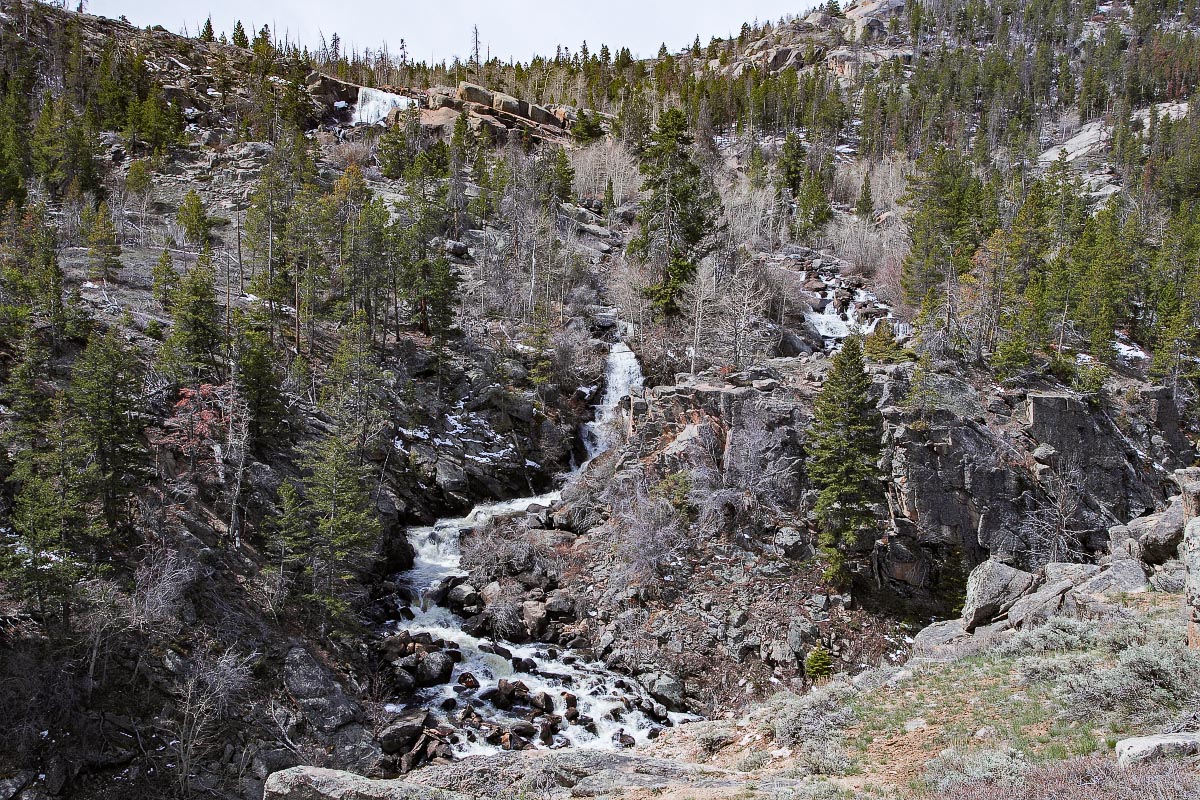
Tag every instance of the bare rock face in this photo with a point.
(993, 588)
(1189, 485)
(314, 783)
(471, 93)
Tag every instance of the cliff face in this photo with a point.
(709, 495)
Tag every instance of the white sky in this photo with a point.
(441, 29)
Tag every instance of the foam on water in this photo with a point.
(612, 701)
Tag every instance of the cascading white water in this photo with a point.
(623, 377)
(611, 701)
(373, 105)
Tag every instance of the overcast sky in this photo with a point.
(441, 29)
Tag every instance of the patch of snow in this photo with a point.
(373, 106)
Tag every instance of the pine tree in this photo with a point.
(818, 664)
(813, 211)
(193, 219)
(562, 177)
(679, 219)
(104, 396)
(865, 207)
(261, 384)
(345, 526)
(239, 36)
(206, 33)
(845, 442)
(790, 167)
(191, 353)
(49, 517)
(165, 280)
(881, 346)
(104, 253)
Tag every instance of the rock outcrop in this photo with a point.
(314, 783)
(1189, 483)
(1142, 749)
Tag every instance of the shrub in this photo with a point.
(953, 769)
(825, 757)
(1149, 683)
(821, 714)
(752, 761)
(1059, 634)
(1083, 779)
(713, 740)
(1036, 669)
(1089, 378)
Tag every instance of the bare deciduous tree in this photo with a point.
(1054, 528)
(203, 691)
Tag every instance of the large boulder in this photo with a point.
(471, 93)
(433, 669)
(400, 735)
(1037, 607)
(1158, 535)
(316, 692)
(991, 590)
(1142, 749)
(314, 783)
(1123, 575)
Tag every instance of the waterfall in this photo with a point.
(623, 377)
(373, 105)
(613, 705)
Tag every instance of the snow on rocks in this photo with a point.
(374, 106)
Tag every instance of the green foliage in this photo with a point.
(845, 442)
(678, 221)
(206, 32)
(818, 664)
(864, 207)
(194, 220)
(239, 36)
(587, 128)
(343, 524)
(1090, 377)
(260, 383)
(562, 177)
(813, 211)
(104, 253)
(880, 345)
(165, 280)
(105, 397)
(192, 352)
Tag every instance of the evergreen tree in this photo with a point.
(261, 384)
(790, 167)
(49, 517)
(679, 219)
(344, 524)
(191, 353)
(165, 280)
(818, 664)
(104, 395)
(239, 36)
(194, 220)
(104, 253)
(813, 211)
(865, 207)
(206, 33)
(845, 442)
(881, 346)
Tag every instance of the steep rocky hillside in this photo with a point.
(809, 413)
